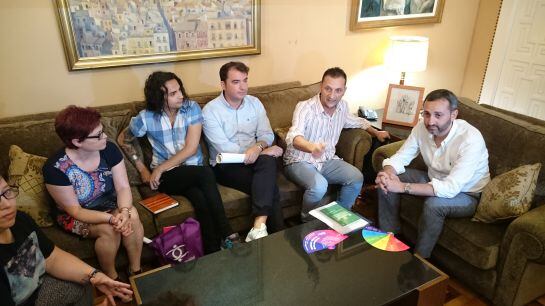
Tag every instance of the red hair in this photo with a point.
(76, 122)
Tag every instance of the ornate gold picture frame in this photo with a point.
(112, 33)
(368, 14)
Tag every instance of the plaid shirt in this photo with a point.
(167, 140)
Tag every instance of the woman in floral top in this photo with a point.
(88, 181)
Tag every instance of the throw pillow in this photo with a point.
(508, 195)
(114, 123)
(25, 171)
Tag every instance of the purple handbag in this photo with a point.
(180, 244)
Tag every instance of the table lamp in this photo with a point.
(407, 54)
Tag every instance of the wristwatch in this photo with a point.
(407, 188)
(134, 157)
(260, 146)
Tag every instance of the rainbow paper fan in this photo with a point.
(322, 239)
(383, 240)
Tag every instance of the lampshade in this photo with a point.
(407, 53)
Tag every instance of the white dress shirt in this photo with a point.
(460, 164)
(229, 130)
(312, 122)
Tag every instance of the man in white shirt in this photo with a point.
(236, 122)
(457, 159)
(310, 154)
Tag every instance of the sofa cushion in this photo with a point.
(114, 122)
(33, 136)
(83, 249)
(25, 171)
(508, 195)
(511, 140)
(476, 243)
(281, 133)
(236, 204)
(280, 104)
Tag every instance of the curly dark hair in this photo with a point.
(155, 90)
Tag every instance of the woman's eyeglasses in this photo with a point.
(10, 193)
(99, 136)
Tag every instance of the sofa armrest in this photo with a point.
(523, 246)
(528, 233)
(353, 145)
(384, 152)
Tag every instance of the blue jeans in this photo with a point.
(315, 182)
(433, 216)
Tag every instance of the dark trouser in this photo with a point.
(259, 181)
(198, 184)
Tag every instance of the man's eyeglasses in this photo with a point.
(10, 193)
(99, 136)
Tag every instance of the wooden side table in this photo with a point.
(397, 132)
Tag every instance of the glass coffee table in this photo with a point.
(276, 270)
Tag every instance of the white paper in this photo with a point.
(230, 158)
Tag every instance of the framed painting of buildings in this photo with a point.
(403, 105)
(109, 33)
(367, 14)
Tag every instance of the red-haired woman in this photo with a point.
(88, 181)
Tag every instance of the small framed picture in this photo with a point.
(403, 105)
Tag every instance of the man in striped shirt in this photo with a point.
(310, 154)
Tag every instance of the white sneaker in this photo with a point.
(256, 233)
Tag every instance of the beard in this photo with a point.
(439, 129)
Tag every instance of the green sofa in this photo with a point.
(504, 262)
(35, 134)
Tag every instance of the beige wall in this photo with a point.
(299, 40)
(480, 48)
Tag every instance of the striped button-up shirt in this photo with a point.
(167, 140)
(312, 122)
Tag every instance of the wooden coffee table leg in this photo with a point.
(433, 292)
